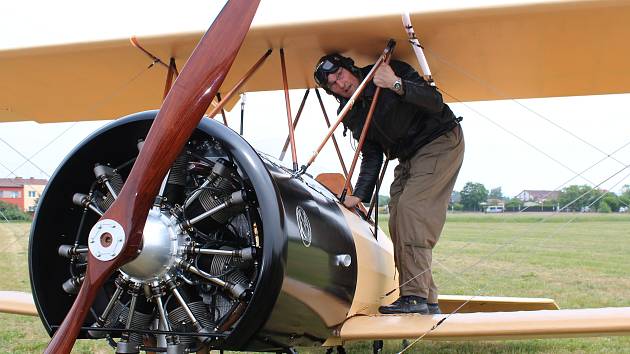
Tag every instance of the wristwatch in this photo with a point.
(398, 87)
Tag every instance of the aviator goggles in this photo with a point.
(323, 69)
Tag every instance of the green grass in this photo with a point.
(24, 334)
(580, 263)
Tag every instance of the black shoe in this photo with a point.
(434, 309)
(406, 304)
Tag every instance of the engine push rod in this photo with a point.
(172, 286)
(349, 104)
(235, 198)
(245, 254)
(237, 291)
(121, 284)
(366, 126)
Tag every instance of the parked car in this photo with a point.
(494, 209)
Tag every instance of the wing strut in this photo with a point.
(417, 48)
(321, 104)
(172, 71)
(390, 48)
(222, 101)
(288, 104)
(222, 110)
(295, 122)
(374, 202)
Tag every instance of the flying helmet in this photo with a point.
(329, 64)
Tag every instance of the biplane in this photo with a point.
(166, 231)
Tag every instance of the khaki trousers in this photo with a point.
(420, 195)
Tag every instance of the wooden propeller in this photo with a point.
(180, 113)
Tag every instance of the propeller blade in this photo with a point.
(180, 113)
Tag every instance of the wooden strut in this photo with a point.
(348, 106)
(374, 202)
(321, 104)
(239, 84)
(178, 117)
(135, 43)
(288, 104)
(366, 126)
(295, 122)
(222, 110)
(172, 69)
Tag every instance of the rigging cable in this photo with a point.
(499, 93)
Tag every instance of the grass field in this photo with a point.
(580, 260)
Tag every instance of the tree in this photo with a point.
(624, 198)
(495, 193)
(575, 198)
(12, 212)
(472, 194)
(610, 200)
(604, 208)
(383, 200)
(514, 204)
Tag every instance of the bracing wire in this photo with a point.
(499, 93)
(575, 174)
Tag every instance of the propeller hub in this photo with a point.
(106, 240)
(161, 243)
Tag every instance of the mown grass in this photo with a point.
(23, 334)
(580, 260)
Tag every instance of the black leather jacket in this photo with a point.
(400, 125)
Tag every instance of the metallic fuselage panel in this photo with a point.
(321, 267)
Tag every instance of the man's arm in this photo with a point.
(414, 89)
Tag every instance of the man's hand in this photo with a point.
(351, 201)
(385, 77)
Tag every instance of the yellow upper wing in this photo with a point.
(530, 50)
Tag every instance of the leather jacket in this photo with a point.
(400, 125)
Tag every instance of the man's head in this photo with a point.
(336, 74)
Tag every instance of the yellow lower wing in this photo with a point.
(491, 325)
(17, 302)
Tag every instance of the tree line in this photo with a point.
(571, 199)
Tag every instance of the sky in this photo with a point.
(512, 144)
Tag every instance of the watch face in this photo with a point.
(397, 85)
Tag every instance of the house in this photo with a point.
(537, 195)
(22, 192)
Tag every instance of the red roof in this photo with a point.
(19, 182)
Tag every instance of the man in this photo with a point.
(413, 124)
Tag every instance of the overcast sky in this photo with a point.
(509, 144)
